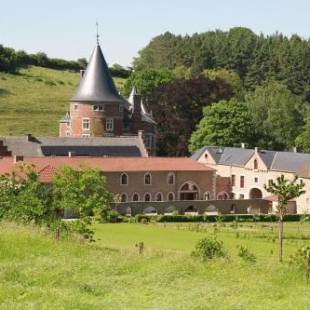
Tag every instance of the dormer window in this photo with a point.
(98, 108)
(255, 164)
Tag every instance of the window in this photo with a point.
(171, 178)
(256, 179)
(147, 179)
(85, 124)
(124, 179)
(123, 197)
(255, 164)
(68, 133)
(170, 196)
(233, 180)
(85, 135)
(242, 181)
(159, 197)
(135, 197)
(76, 106)
(207, 196)
(98, 108)
(120, 108)
(241, 196)
(232, 208)
(109, 124)
(147, 197)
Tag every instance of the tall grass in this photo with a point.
(38, 272)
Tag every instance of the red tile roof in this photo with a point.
(46, 166)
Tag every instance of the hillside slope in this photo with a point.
(34, 100)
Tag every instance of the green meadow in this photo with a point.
(35, 99)
(38, 272)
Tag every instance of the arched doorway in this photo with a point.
(150, 210)
(255, 193)
(189, 191)
(191, 210)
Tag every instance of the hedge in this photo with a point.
(220, 218)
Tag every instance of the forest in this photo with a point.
(225, 88)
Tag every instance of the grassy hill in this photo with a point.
(34, 100)
(38, 272)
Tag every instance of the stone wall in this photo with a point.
(231, 206)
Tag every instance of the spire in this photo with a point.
(97, 84)
(97, 33)
(146, 117)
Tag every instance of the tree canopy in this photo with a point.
(178, 107)
(226, 123)
(255, 58)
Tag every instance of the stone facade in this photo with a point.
(251, 206)
(159, 185)
(248, 180)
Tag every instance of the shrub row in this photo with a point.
(220, 218)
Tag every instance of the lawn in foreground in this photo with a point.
(39, 273)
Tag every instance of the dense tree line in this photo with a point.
(256, 58)
(268, 78)
(11, 61)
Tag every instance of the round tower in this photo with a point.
(96, 109)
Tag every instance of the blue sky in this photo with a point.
(66, 28)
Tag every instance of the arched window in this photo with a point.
(124, 179)
(171, 178)
(159, 197)
(255, 164)
(147, 197)
(135, 197)
(207, 196)
(123, 197)
(222, 196)
(147, 179)
(233, 208)
(170, 196)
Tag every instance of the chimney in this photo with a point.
(17, 158)
(256, 149)
(82, 73)
(243, 145)
(295, 149)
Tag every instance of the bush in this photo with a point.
(246, 255)
(113, 217)
(208, 249)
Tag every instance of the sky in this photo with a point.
(67, 28)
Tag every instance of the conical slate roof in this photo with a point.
(97, 84)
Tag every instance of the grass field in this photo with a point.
(37, 272)
(34, 100)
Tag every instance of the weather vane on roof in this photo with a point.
(97, 35)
